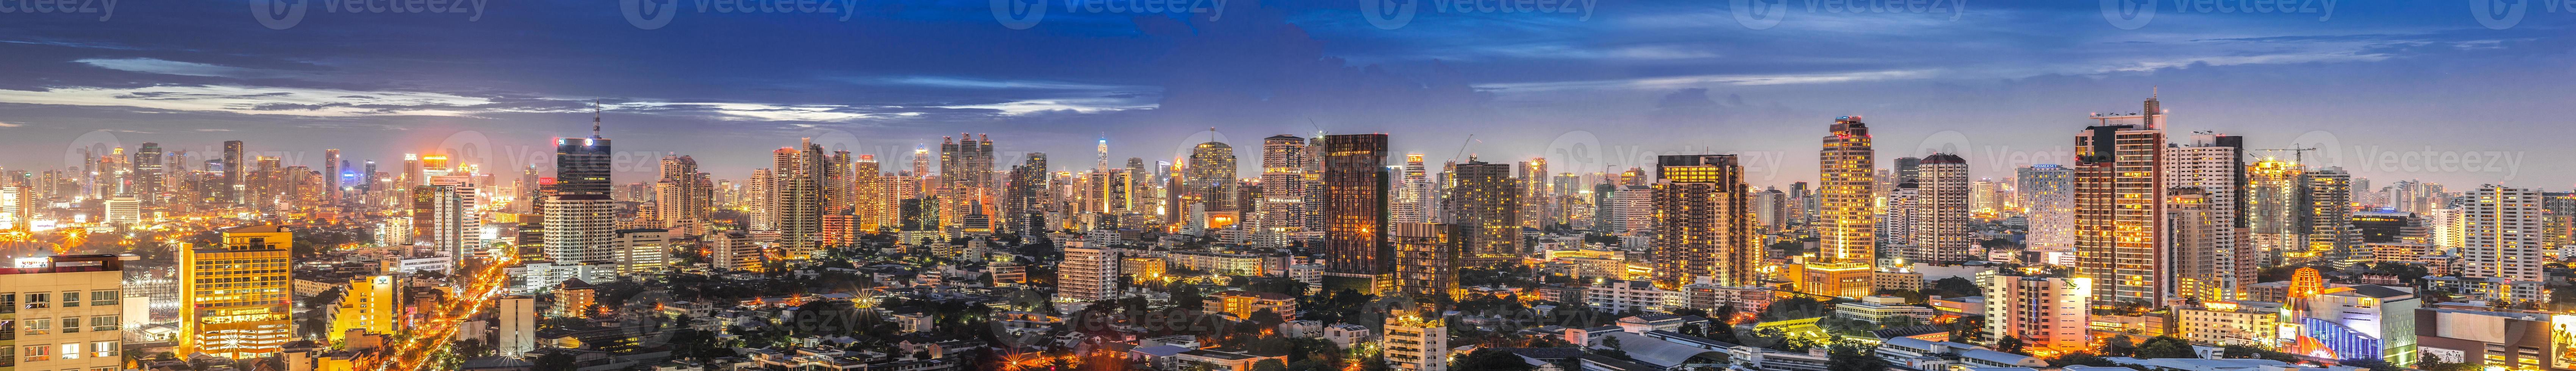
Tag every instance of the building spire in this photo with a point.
(594, 119)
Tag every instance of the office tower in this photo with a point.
(515, 320)
(2199, 237)
(18, 202)
(2043, 312)
(758, 190)
(367, 303)
(580, 219)
(1210, 177)
(965, 175)
(1903, 210)
(1534, 191)
(796, 194)
(1485, 204)
(1142, 195)
(1700, 227)
(2119, 208)
(1355, 183)
(1415, 199)
(734, 250)
(1023, 204)
(637, 251)
(2327, 211)
(369, 180)
(916, 181)
(1909, 170)
(235, 299)
(69, 314)
(683, 195)
(1427, 257)
(2503, 238)
(1087, 274)
(1941, 235)
(1846, 245)
(149, 174)
(1283, 187)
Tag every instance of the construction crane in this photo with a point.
(2297, 155)
(1462, 148)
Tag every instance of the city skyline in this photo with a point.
(1627, 76)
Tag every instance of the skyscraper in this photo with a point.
(330, 174)
(235, 300)
(2200, 238)
(1486, 205)
(2327, 209)
(965, 175)
(149, 175)
(1846, 244)
(1283, 187)
(2503, 234)
(1700, 208)
(797, 175)
(1941, 235)
(1427, 260)
(1909, 169)
(1355, 209)
(2119, 208)
(1534, 191)
(683, 196)
(2274, 209)
(234, 165)
(1210, 177)
(580, 219)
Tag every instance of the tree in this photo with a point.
(2079, 358)
(1610, 347)
(2165, 347)
(1492, 360)
(1854, 355)
(2119, 346)
(1270, 364)
(2010, 344)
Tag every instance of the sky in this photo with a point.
(2452, 91)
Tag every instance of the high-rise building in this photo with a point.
(1355, 210)
(235, 301)
(734, 251)
(367, 303)
(1486, 203)
(2119, 208)
(1087, 274)
(637, 251)
(1941, 233)
(2044, 312)
(1413, 198)
(1024, 203)
(2275, 210)
(795, 199)
(234, 165)
(580, 219)
(683, 196)
(965, 176)
(1909, 169)
(454, 230)
(872, 194)
(1416, 341)
(2327, 211)
(2200, 240)
(1981, 196)
(1534, 194)
(1210, 180)
(1700, 227)
(150, 174)
(515, 325)
(69, 313)
(1283, 187)
(1846, 245)
(123, 211)
(330, 174)
(2503, 238)
(1427, 257)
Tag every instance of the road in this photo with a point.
(430, 337)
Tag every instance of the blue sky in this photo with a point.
(2376, 84)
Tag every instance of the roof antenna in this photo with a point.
(594, 119)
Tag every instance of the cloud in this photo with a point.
(10, 125)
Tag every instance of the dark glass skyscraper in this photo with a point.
(1355, 205)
